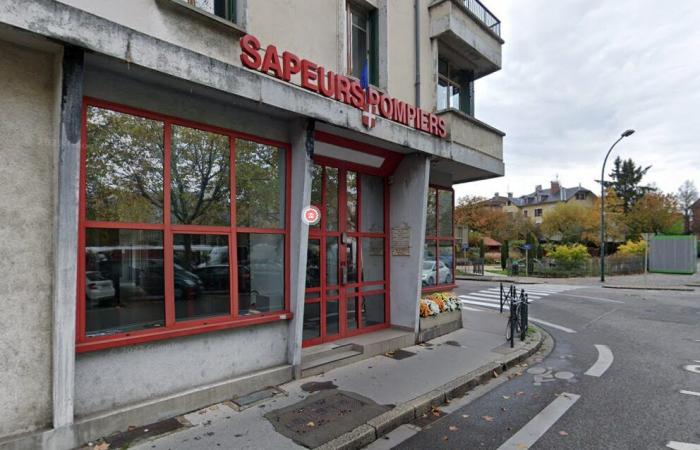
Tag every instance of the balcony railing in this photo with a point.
(483, 14)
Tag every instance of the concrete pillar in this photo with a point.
(66, 237)
(408, 197)
(302, 140)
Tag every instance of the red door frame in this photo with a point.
(321, 235)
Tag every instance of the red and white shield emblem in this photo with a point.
(369, 116)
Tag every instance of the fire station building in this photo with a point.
(158, 160)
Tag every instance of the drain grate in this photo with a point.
(324, 416)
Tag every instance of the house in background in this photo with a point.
(695, 218)
(535, 205)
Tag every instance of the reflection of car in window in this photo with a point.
(98, 288)
(150, 277)
(429, 275)
(214, 278)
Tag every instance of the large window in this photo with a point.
(455, 89)
(438, 253)
(184, 228)
(362, 42)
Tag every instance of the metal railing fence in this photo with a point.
(483, 13)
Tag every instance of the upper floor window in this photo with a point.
(455, 88)
(226, 9)
(580, 196)
(362, 42)
(538, 212)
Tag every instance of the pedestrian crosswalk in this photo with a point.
(490, 298)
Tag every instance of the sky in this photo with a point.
(576, 74)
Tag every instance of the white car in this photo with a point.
(429, 276)
(97, 287)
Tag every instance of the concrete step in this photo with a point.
(330, 359)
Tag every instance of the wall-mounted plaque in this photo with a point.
(401, 241)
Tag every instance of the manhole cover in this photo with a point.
(399, 354)
(324, 416)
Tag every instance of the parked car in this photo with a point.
(98, 288)
(429, 273)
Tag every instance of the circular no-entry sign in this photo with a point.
(311, 215)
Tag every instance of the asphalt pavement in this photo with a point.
(622, 371)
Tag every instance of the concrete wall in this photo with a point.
(472, 133)
(408, 197)
(28, 126)
(127, 375)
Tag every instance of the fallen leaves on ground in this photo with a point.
(519, 393)
(495, 375)
(465, 416)
(487, 418)
(563, 433)
(101, 446)
(310, 424)
(453, 428)
(506, 397)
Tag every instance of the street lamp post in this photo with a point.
(627, 133)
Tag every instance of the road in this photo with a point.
(622, 372)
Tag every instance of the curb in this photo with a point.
(650, 288)
(495, 278)
(406, 412)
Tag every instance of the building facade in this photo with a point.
(535, 205)
(158, 164)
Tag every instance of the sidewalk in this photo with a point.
(376, 395)
(650, 281)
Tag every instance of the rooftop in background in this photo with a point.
(554, 194)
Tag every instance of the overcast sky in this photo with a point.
(576, 73)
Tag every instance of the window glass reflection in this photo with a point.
(124, 167)
(313, 264)
(351, 194)
(260, 190)
(445, 211)
(331, 199)
(317, 190)
(124, 283)
(312, 321)
(199, 177)
(429, 271)
(351, 313)
(372, 310)
(331, 261)
(201, 276)
(260, 273)
(372, 259)
(445, 265)
(332, 318)
(430, 226)
(372, 203)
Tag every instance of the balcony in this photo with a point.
(467, 33)
(469, 132)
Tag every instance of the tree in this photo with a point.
(687, 195)
(627, 178)
(570, 223)
(472, 212)
(653, 213)
(505, 250)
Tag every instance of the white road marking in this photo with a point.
(538, 425)
(605, 360)
(693, 367)
(598, 299)
(553, 325)
(488, 305)
(682, 446)
(690, 393)
(466, 308)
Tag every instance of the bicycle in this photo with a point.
(517, 324)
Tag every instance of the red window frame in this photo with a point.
(437, 238)
(173, 328)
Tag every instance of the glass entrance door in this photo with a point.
(346, 271)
